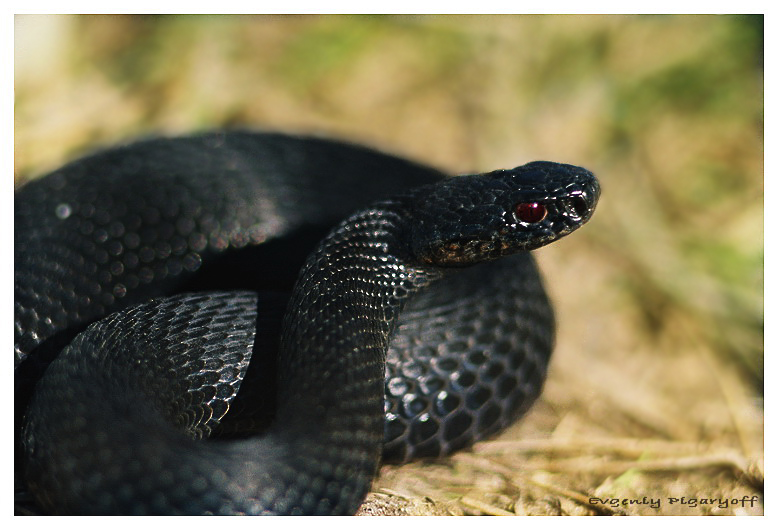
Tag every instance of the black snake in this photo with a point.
(116, 422)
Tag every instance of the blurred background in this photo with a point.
(657, 381)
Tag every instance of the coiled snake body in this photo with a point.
(115, 423)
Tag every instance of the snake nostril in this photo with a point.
(577, 207)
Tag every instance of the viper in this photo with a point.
(244, 323)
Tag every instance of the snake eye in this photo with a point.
(530, 212)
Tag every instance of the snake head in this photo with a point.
(473, 218)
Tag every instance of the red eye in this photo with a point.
(530, 212)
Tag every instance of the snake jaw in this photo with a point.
(466, 252)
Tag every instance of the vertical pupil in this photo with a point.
(530, 212)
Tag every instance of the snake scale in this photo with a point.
(203, 324)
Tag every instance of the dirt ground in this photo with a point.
(653, 404)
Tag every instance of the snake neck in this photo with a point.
(333, 349)
(344, 307)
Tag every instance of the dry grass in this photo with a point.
(655, 388)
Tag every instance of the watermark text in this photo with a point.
(746, 501)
